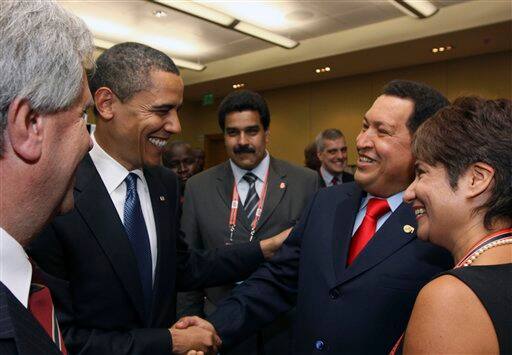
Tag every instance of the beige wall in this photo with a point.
(300, 112)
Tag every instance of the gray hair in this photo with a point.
(43, 52)
(330, 134)
(125, 68)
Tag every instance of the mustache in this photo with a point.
(240, 149)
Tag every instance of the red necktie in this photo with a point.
(375, 209)
(334, 181)
(41, 306)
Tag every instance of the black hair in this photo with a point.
(244, 100)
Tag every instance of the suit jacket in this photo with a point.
(205, 222)
(97, 290)
(360, 309)
(345, 177)
(20, 332)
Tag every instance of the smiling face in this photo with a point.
(142, 125)
(334, 155)
(245, 138)
(385, 162)
(438, 207)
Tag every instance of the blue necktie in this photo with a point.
(135, 227)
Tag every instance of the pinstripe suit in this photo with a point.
(20, 333)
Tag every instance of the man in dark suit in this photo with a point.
(331, 149)
(282, 189)
(43, 137)
(352, 265)
(119, 256)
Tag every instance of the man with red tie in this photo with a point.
(352, 265)
(43, 136)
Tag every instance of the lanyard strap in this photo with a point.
(234, 209)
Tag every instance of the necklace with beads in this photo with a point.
(501, 237)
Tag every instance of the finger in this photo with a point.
(185, 322)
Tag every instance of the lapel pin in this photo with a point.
(282, 185)
(162, 198)
(408, 229)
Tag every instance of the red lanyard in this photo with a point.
(501, 234)
(234, 210)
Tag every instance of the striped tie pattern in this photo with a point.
(137, 232)
(252, 199)
(41, 306)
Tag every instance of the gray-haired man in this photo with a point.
(43, 98)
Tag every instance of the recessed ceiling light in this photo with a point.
(159, 13)
(441, 49)
(322, 70)
(238, 85)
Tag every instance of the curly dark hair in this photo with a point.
(244, 100)
(472, 130)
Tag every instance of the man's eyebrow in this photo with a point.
(164, 107)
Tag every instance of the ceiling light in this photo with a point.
(198, 10)
(323, 70)
(265, 35)
(416, 8)
(238, 86)
(102, 44)
(159, 13)
(441, 49)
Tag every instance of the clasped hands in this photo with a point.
(194, 336)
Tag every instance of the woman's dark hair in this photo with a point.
(472, 130)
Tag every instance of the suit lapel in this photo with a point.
(29, 335)
(276, 188)
(388, 239)
(93, 203)
(346, 212)
(164, 211)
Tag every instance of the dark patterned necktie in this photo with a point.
(252, 199)
(41, 306)
(135, 227)
(335, 181)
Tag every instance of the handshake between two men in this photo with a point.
(194, 336)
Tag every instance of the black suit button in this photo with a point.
(319, 345)
(334, 293)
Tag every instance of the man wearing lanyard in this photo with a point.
(352, 265)
(332, 152)
(250, 197)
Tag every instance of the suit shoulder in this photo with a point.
(206, 176)
(295, 169)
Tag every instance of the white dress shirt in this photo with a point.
(15, 268)
(243, 186)
(113, 174)
(393, 201)
(327, 176)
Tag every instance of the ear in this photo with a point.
(480, 176)
(103, 100)
(25, 129)
(267, 135)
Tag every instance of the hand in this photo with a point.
(194, 333)
(271, 245)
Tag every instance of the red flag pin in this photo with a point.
(282, 185)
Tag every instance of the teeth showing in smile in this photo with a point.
(160, 143)
(365, 159)
(419, 211)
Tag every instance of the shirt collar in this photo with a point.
(112, 173)
(15, 267)
(260, 170)
(394, 201)
(327, 176)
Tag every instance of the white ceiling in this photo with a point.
(225, 52)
